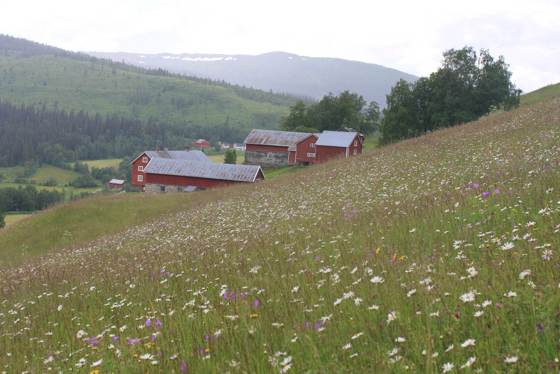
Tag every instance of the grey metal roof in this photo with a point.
(116, 181)
(197, 169)
(277, 138)
(336, 138)
(179, 155)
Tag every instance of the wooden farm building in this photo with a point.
(115, 184)
(338, 144)
(177, 171)
(269, 148)
(201, 144)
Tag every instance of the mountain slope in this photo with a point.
(435, 253)
(35, 74)
(277, 71)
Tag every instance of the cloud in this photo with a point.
(407, 35)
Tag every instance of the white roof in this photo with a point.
(336, 138)
(116, 181)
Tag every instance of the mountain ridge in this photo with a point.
(277, 71)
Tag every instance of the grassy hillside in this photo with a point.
(34, 74)
(542, 94)
(435, 254)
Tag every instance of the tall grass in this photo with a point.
(435, 254)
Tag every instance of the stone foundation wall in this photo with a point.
(266, 159)
(157, 188)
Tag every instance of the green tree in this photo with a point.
(230, 157)
(2, 219)
(466, 86)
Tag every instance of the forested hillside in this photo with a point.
(34, 74)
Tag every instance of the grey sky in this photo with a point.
(407, 35)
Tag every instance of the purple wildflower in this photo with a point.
(158, 324)
(497, 191)
(92, 341)
(485, 194)
(153, 338)
(133, 341)
(540, 327)
(184, 367)
(256, 303)
(148, 322)
(318, 325)
(114, 338)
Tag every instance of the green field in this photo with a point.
(439, 253)
(541, 94)
(107, 163)
(10, 219)
(62, 176)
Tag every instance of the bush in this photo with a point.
(2, 220)
(51, 182)
(84, 181)
(230, 157)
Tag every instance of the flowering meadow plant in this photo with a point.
(437, 254)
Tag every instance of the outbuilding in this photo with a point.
(115, 184)
(138, 177)
(177, 175)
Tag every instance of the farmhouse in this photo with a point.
(177, 175)
(269, 148)
(138, 177)
(338, 144)
(201, 144)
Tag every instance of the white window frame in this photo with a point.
(312, 145)
(355, 143)
(140, 178)
(140, 168)
(145, 159)
(311, 155)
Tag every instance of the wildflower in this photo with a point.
(400, 339)
(468, 343)
(48, 360)
(470, 361)
(133, 341)
(183, 367)
(447, 367)
(81, 362)
(346, 346)
(148, 322)
(158, 324)
(391, 316)
(356, 336)
(524, 274)
(256, 303)
(540, 327)
(510, 359)
(377, 279)
(510, 294)
(507, 246)
(97, 363)
(411, 292)
(467, 297)
(472, 272)
(547, 255)
(80, 334)
(59, 308)
(485, 194)
(478, 313)
(146, 356)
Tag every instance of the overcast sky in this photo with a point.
(406, 35)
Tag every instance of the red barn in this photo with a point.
(201, 144)
(138, 177)
(338, 144)
(270, 148)
(172, 175)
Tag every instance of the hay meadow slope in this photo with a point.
(436, 254)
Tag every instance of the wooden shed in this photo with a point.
(338, 144)
(270, 148)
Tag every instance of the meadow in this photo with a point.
(436, 254)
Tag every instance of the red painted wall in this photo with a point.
(304, 147)
(356, 146)
(174, 180)
(140, 161)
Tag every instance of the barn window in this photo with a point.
(140, 168)
(312, 145)
(162, 188)
(144, 159)
(310, 155)
(355, 152)
(140, 178)
(355, 143)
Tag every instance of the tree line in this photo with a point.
(36, 134)
(347, 111)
